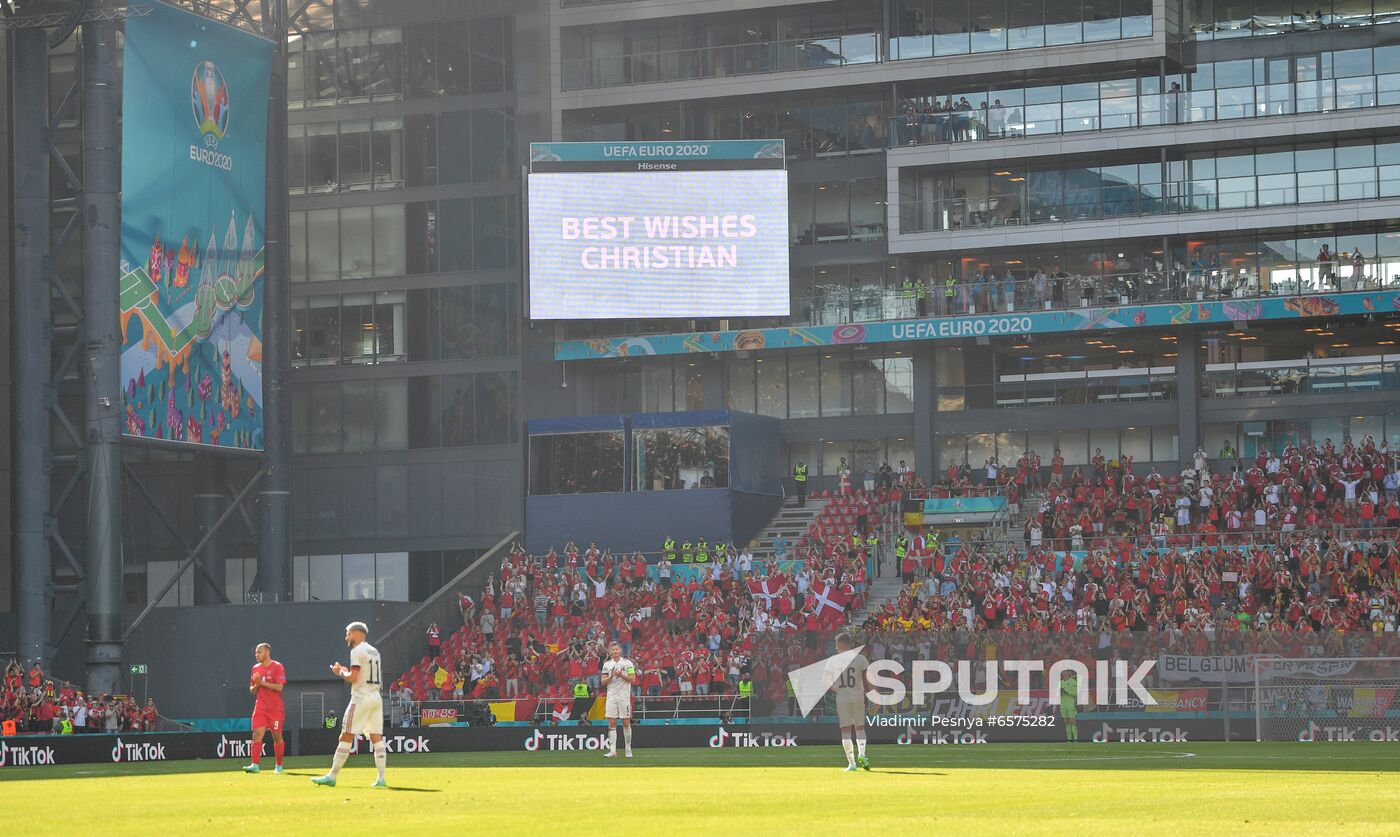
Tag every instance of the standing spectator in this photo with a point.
(996, 119)
(1326, 264)
(869, 476)
(434, 639)
(1358, 268)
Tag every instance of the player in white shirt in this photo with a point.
(619, 673)
(849, 682)
(365, 714)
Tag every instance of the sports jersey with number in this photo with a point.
(269, 699)
(366, 657)
(617, 687)
(850, 681)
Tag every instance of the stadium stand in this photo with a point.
(1303, 539)
(35, 703)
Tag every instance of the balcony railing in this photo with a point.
(1108, 200)
(924, 126)
(838, 304)
(719, 61)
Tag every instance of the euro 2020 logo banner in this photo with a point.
(194, 133)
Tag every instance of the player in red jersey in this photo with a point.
(266, 683)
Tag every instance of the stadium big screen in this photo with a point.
(658, 229)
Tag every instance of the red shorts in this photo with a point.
(268, 719)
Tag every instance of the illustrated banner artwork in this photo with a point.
(194, 135)
(1098, 320)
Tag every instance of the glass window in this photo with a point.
(354, 74)
(491, 146)
(457, 323)
(495, 320)
(1164, 444)
(358, 572)
(741, 385)
(951, 24)
(320, 66)
(323, 330)
(296, 159)
(321, 146)
(357, 419)
(692, 395)
(868, 386)
(576, 463)
(772, 386)
(386, 62)
(323, 417)
(357, 328)
(355, 165)
(425, 414)
(323, 578)
(356, 242)
(323, 244)
(495, 409)
(297, 230)
(386, 153)
(390, 235)
(391, 576)
(899, 384)
(1074, 447)
(1063, 22)
(490, 49)
(458, 418)
(803, 385)
(391, 414)
(682, 458)
(656, 388)
(835, 386)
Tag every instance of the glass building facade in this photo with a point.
(948, 159)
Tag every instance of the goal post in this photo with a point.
(1326, 698)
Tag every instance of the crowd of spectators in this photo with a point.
(543, 623)
(1306, 539)
(34, 703)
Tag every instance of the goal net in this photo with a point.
(1327, 699)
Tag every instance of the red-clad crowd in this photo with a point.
(32, 702)
(1305, 539)
(543, 623)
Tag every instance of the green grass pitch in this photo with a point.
(1085, 789)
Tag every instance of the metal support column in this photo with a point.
(925, 412)
(30, 335)
(102, 437)
(209, 505)
(1188, 394)
(275, 544)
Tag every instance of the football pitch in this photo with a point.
(1084, 789)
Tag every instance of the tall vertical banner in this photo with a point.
(194, 141)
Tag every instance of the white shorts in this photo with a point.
(618, 707)
(850, 709)
(364, 716)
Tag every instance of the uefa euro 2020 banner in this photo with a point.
(194, 136)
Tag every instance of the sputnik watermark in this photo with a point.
(1115, 683)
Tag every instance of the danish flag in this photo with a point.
(829, 596)
(767, 588)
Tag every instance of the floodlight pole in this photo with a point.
(102, 373)
(275, 543)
